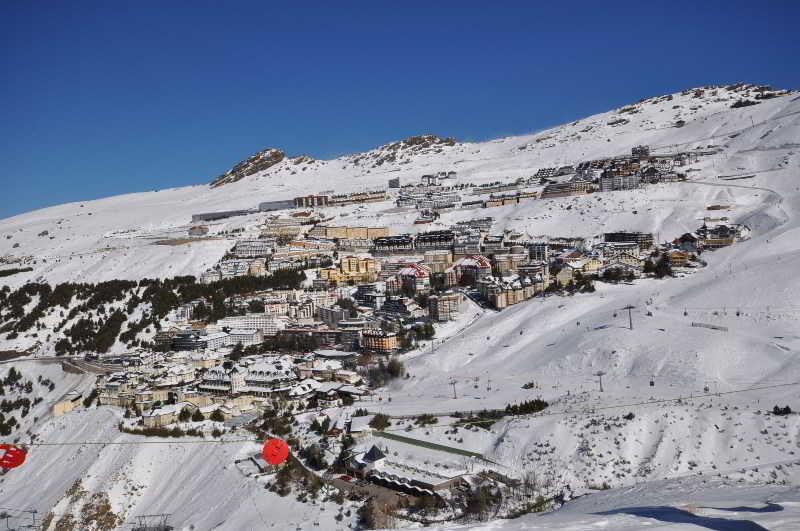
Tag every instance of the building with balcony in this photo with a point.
(445, 307)
(379, 341)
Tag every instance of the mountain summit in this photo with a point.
(264, 159)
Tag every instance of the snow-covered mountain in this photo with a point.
(658, 457)
(114, 237)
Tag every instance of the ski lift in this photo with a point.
(652, 382)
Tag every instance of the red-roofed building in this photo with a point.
(471, 269)
(415, 278)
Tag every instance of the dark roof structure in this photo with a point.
(374, 454)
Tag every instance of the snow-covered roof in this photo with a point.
(475, 260)
(304, 387)
(243, 331)
(415, 270)
(168, 409)
(326, 365)
(328, 353)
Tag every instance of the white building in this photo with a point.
(320, 298)
(245, 336)
(216, 380)
(331, 315)
(610, 182)
(254, 248)
(234, 268)
(610, 250)
(276, 307)
(269, 375)
(176, 375)
(259, 377)
(210, 276)
(215, 340)
(264, 322)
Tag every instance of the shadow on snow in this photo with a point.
(679, 516)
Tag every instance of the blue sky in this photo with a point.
(111, 97)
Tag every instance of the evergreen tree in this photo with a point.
(237, 352)
(380, 422)
(184, 415)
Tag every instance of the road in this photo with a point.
(775, 200)
(76, 364)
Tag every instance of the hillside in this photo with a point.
(100, 240)
(716, 448)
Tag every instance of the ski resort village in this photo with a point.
(523, 333)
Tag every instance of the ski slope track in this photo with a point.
(693, 449)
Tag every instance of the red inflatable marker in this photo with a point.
(11, 456)
(275, 451)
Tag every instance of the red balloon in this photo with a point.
(11, 456)
(275, 451)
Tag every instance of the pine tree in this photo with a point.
(184, 415)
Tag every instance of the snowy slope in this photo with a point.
(675, 505)
(558, 343)
(198, 484)
(114, 237)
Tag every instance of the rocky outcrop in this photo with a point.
(264, 159)
(402, 151)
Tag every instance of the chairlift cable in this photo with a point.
(135, 443)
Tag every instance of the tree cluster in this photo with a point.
(100, 333)
(159, 431)
(90, 398)
(660, 269)
(275, 424)
(616, 274)
(481, 502)
(382, 373)
(14, 271)
(314, 457)
(526, 408)
(380, 422)
(372, 515)
(348, 304)
(781, 411)
(321, 428)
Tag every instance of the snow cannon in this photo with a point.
(275, 451)
(11, 456)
